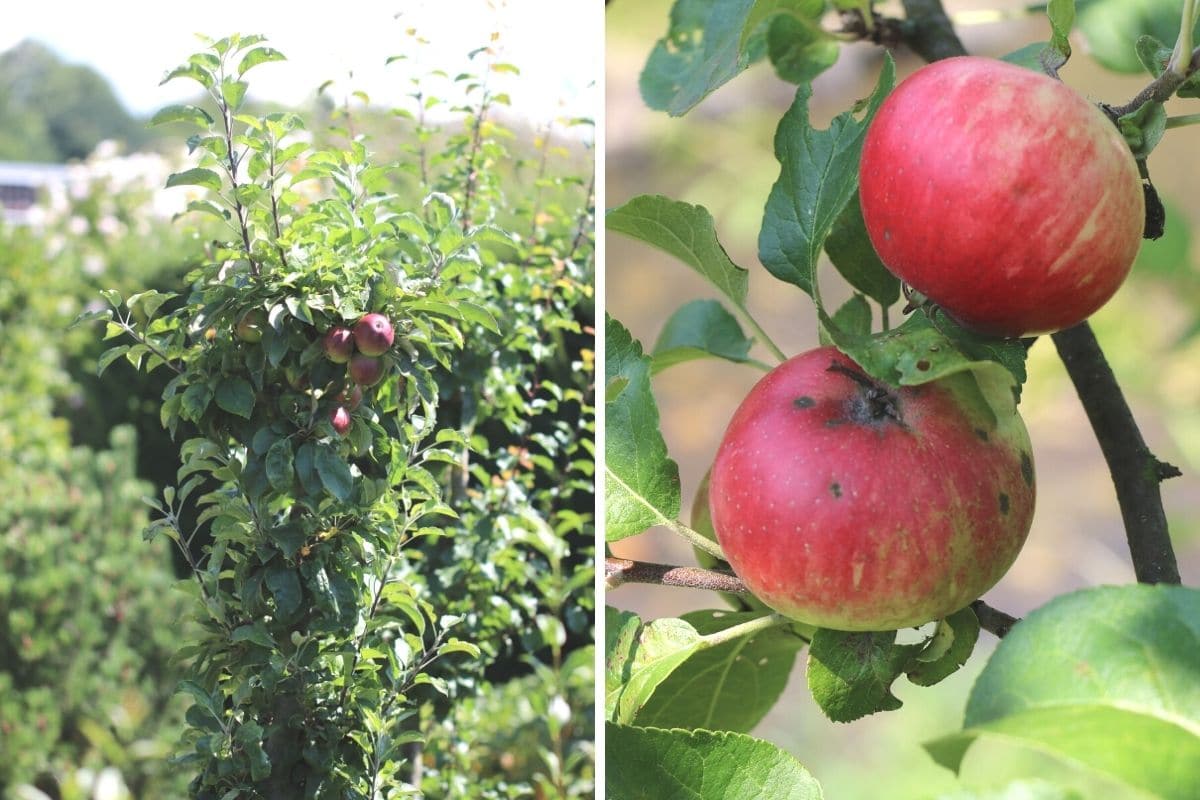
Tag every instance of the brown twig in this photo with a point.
(1136, 473)
(618, 571)
(1159, 90)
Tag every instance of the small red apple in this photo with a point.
(1001, 195)
(350, 398)
(847, 504)
(250, 326)
(366, 370)
(339, 417)
(338, 344)
(373, 334)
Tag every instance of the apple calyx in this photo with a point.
(876, 404)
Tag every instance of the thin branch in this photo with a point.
(1159, 90)
(618, 571)
(1136, 473)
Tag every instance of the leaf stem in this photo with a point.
(1183, 120)
(762, 335)
(748, 628)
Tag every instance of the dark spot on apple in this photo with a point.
(1003, 503)
(804, 401)
(836, 489)
(922, 365)
(982, 434)
(1027, 469)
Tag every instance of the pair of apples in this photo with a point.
(1016, 207)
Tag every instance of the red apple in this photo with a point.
(338, 344)
(250, 326)
(1001, 195)
(366, 370)
(350, 398)
(373, 334)
(846, 504)
(339, 417)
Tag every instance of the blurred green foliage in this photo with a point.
(88, 620)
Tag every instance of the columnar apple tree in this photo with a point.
(304, 398)
(885, 480)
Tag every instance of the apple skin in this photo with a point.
(339, 417)
(373, 334)
(350, 398)
(366, 370)
(844, 504)
(1001, 195)
(338, 344)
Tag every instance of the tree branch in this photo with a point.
(929, 32)
(1136, 473)
(618, 571)
(1159, 90)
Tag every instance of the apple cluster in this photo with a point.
(362, 348)
(1014, 206)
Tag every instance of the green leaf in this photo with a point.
(1062, 16)
(284, 583)
(953, 642)
(1113, 27)
(686, 232)
(197, 176)
(699, 329)
(259, 55)
(1144, 128)
(194, 401)
(728, 687)
(641, 486)
(334, 472)
(798, 47)
(1106, 678)
(850, 250)
(109, 356)
(256, 633)
(1017, 790)
(236, 396)
(638, 657)
(279, 465)
(182, 113)
(818, 177)
(657, 764)
(195, 72)
(234, 92)
(705, 46)
(1030, 57)
(1153, 54)
(854, 316)
(850, 675)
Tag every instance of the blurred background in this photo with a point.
(720, 155)
(90, 614)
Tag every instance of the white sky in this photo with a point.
(557, 44)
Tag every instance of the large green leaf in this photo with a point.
(686, 232)
(818, 177)
(700, 329)
(656, 764)
(1108, 678)
(638, 657)
(1112, 28)
(852, 253)
(798, 47)
(236, 396)
(641, 486)
(728, 687)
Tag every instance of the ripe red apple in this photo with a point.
(339, 417)
(373, 334)
(847, 504)
(250, 326)
(338, 344)
(366, 370)
(350, 398)
(1001, 195)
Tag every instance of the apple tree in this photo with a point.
(309, 357)
(868, 491)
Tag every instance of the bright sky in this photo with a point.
(556, 44)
